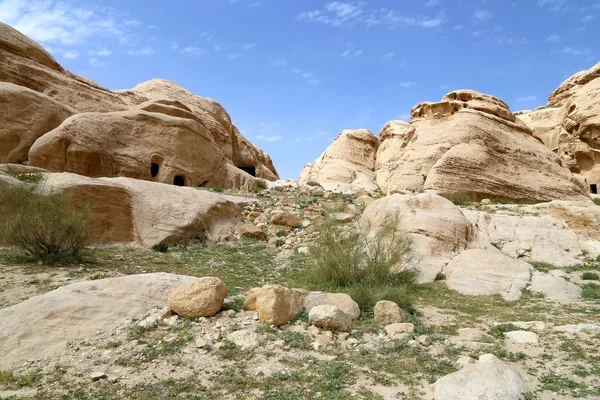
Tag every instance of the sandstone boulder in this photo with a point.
(26, 116)
(251, 231)
(471, 143)
(43, 325)
(276, 305)
(387, 312)
(285, 219)
(130, 210)
(202, 297)
(250, 300)
(554, 288)
(349, 160)
(330, 317)
(488, 379)
(438, 227)
(484, 272)
(341, 300)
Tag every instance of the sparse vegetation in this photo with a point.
(161, 247)
(596, 201)
(47, 227)
(313, 183)
(460, 199)
(590, 276)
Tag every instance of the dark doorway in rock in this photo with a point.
(250, 170)
(593, 188)
(178, 180)
(154, 167)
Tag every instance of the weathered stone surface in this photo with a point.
(245, 339)
(438, 227)
(387, 312)
(349, 160)
(285, 219)
(26, 116)
(8, 180)
(276, 305)
(202, 297)
(483, 272)
(43, 325)
(575, 329)
(554, 288)
(488, 379)
(341, 300)
(471, 143)
(398, 328)
(524, 337)
(250, 301)
(330, 317)
(130, 210)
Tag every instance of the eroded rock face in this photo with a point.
(570, 124)
(43, 325)
(349, 161)
(161, 141)
(26, 64)
(471, 142)
(438, 227)
(26, 116)
(483, 272)
(130, 210)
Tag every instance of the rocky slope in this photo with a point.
(467, 143)
(34, 85)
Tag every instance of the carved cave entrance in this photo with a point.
(179, 180)
(249, 170)
(593, 188)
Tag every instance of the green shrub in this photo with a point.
(281, 233)
(46, 227)
(279, 242)
(460, 199)
(498, 331)
(161, 247)
(596, 201)
(313, 183)
(590, 276)
(218, 189)
(369, 264)
(591, 291)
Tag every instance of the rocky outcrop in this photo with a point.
(43, 325)
(202, 297)
(570, 124)
(471, 143)
(130, 210)
(348, 162)
(26, 64)
(26, 116)
(438, 228)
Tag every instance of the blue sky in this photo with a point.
(294, 73)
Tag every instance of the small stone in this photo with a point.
(387, 312)
(245, 338)
(424, 340)
(96, 376)
(486, 202)
(522, 337)
(201, 343)
(400, 328)
(330, 317)
(279, 343)
(343, 336)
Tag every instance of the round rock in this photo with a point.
(202, 297)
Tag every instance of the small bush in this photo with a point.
(440, 277)
(46, 227)
(281, 233)
(591, 291)
(596, 201)
(29, 178)
(313, 183)
(498, 331)
(161, 247)
(218, 189)
(279, 242)
(460, 199)
(368, 264)
(590, 276)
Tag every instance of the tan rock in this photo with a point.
(471, 143)
(252, 231)
(43, 325)
(26, 115)
(250, 301)
(276, 305)
(439, 228)
(285, 219)
(484, 272)
(348, 161)
(387, 313)
(330, 317)
(341, 300)
(555, 288)
(202, 297)
(394, 329)
(364, 200)
(130, 210)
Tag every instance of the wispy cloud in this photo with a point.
(269, 139)
(103, 52)
(407, 84)
(482, 16)
(60, 22)
(338, 13)
(233, 55)
(351, 53)
(146, 51)
(432, 3)
(193, 51)
(526, 99)
(71, 55)
(389, 55)
(575, 51)
(279, 62)
(552, 39)
(94, 62)
(249, 46)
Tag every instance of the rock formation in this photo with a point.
(187, 129)
(348, 161)
(468, 142)
(570, 124)
(131, 210)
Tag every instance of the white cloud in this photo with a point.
(347, 13)
(174, 45)
(459, 27)
(233, 55)
(575, 51)
(132, 22)
(103, 52)
(146, 51)
(249, 46)
(587, 18)
(193, 51)
(279, 62)
(351, 53)
(554, 5)
(526, 99)
(389, 55)
(432, 3)
(407, 84)
(552, 39)
(53, 21)
(71, 55)
(94, 62)
(482, 15)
